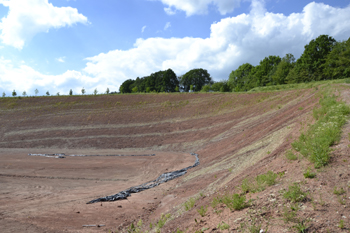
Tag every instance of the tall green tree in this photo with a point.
(310, 65)
(126, 86)
(241, 79)
(337, 64)
(196, 77)
(264, 71)
(283, 69)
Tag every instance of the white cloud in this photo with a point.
(167, 26)
(232, 42)
(143, 29)
(26, 18)
(21, 77)
(192, 7)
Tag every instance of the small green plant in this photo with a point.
(215, 202)
(235, 201)
(14, 93)
(290, 155)
(322, 202)
(189, 204)
(341, 224)
(341, 200)
(223, 226)
(47, 93)
(83, 91)
(301, 227)
(289, 214)
(309, 174)
(338, 192)
(70, 92)
(3, 94)
(294, 193)
(95, 91)
(163, 220)
(202, 211)
(260, 183)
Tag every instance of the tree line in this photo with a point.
(167, 81)
(323, 58)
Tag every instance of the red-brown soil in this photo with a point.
(235, 135)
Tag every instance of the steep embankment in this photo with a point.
(235, 135)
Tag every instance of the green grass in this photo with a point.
(295, 86)
(338, 192)
(259, 183)
(189, 204)
(234, 202)
(163, 219)
(309, 174)
(295, 194)
(315, 143)
(223, 226)
(290, 155)
(202, 211)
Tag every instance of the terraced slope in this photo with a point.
(232, 133)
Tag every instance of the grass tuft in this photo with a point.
(295, 194)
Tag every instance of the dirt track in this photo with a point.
(230, 132)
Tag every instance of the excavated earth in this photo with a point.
(235, 135)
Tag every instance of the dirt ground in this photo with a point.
(235, 135)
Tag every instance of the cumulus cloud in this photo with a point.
(26, 18)
(232, 42)
(192, 7)
(21, 77)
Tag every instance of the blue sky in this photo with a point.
(57, 45)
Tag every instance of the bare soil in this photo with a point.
(235, 135)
